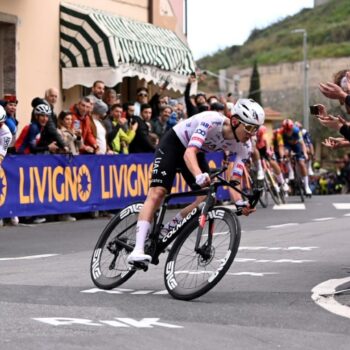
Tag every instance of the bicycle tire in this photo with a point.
(105, 273)
(177, 278)
(283, 196)
(300, 187)
(264, 198)
(271, 187)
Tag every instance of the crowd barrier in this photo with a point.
(57, 184)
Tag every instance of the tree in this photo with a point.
(254, 90)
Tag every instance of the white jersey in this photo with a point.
(204, 131)
(5, 139)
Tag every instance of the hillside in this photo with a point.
(328, 28)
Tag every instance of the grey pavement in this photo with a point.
(48, 301)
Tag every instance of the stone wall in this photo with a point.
(283, 83)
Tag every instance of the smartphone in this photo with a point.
(76, 124)
(314, 110)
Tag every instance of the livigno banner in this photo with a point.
(54, 184)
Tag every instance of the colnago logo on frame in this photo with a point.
(178, 226)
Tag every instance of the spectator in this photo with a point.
(120, 138)
(10, 104)
(141, 98)
(5, 140)
(158, 101)
(38, 140)
(110, 98)
(98, 114)
(72, 137)
(71, 134)
(160, 125)
(180, 111)
(51, 125)
(97, 91)
(196, 105)
(128, 111)
(142, 142)
(80, 111)
(51, 96)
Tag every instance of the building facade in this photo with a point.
(36, 37)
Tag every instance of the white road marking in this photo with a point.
(118, 322)
(342, 206)
(323, 219)
(323, 295)
(123, 291)
(29, 257)
(253, 274)
(348, 214)
(97, 290)
(283, 225)
(290, 206)
(278, 248)
(292, 261)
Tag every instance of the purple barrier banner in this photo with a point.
(57, 184)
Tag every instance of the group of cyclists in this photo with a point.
(240, 133)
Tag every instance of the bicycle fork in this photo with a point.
(205, 249)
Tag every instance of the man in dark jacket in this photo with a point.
(50, 127)
(142, 142)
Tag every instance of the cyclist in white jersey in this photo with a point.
(183, 147)
(5, 135)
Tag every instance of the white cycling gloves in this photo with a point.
(201, 179)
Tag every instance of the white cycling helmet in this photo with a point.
(2, 114)
(42, 109)
(249, 112)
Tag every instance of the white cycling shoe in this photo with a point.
(260, 174)
(308, 191)
(285, 187)
(138, 256)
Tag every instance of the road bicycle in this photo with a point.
(250, 182)
(202, 246)
(297, 184)
(276, 191)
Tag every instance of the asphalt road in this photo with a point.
(269, 299)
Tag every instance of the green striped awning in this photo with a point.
(116, 47)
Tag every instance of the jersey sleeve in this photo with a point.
(200, 134)
(5, 141)
(279, 139)
(241, 158)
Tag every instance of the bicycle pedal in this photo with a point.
(140, 265)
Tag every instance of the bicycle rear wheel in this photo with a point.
(109, 267)
(189, 274)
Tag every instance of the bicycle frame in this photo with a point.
(158, 246)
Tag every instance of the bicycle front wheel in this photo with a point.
(109, 267)
(189, 274)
